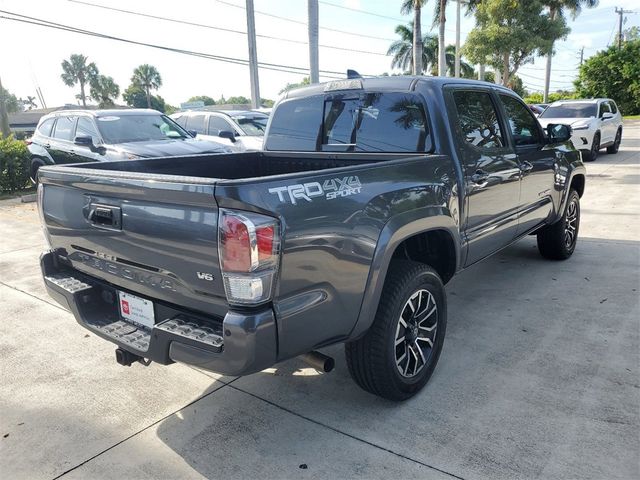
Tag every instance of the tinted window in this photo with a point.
(85, 127)
(46, 126)
(217, 124)
(196, 123)
(613, 107)
(570, 110)
(138, 128)
(64, 128)
(254, 124)
(604, 108)
(477, 119)
(296, 124)
(524, 127)
(373, 122)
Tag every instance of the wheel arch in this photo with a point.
(418, 238)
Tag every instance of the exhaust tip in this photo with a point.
(319, 361)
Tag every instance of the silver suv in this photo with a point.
(596, 124)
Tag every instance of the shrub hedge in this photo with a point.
(14, 164)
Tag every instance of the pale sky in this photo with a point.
(32, 54)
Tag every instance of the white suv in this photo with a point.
(241, 130)
(596, 124)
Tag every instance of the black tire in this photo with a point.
(616, 143)
(372, 360)
(595, 148)
(558, 241)
(35, 166)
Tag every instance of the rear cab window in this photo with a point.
(391, 122)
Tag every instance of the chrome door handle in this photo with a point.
(526, 167)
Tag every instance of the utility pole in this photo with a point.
(314, 63)
(457, 68)
(620, 12)
(253, 56)
(581, 55)
(4, 117)
(481, 72)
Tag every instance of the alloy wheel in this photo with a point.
(416, 333)
(571, 224)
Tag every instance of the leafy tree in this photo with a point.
(614, 74)
(238, 100)
(76, 70)
(291, 86)
(11, 102)
(415, 7)
(147, 78)
(537, 97)
(105, 91)
(266, 103)
(509, 33)
(631, 34)
(203, 98)
(136, 97)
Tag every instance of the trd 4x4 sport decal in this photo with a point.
(329, 189)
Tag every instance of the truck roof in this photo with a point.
(397, 82)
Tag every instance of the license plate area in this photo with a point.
(136, 310)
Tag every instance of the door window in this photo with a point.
(196, 123)
(46, 126)
(85, 127)
(523, 126)
(218, 124)
(478, 119)
(604, 108)
(612, 106)
(64, 128)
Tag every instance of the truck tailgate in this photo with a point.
(154, 237)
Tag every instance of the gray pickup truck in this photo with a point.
(370, 195)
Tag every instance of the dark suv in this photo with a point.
(74, 136)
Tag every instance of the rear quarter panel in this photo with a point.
(329, 242)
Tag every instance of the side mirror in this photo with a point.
(193, 133)
(228, 134)
(558, 133)
(84, 140)
(607, 115)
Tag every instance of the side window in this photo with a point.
(64, 128)
(85, 127)
(196, 123)
(217, 124)
(604, 108)
(524, 127)
(180, 120)
(46, 126)
(477, 119)
(613, 107)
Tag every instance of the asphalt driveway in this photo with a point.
(539, 377)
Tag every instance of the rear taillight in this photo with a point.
(249, 245)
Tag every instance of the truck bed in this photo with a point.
(236, 166)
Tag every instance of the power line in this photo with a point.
(213, 27)
(365, 12)
(300, 22)
(238, 61)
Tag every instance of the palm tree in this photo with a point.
(466, 70)
(402, 50)
(440, 19)
(415, 6)
(76, 70)
(30, 102)
(105, 91)
(147, 77)
(558, 8)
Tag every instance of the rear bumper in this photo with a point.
(238, 344)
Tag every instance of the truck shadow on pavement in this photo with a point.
(538, 379)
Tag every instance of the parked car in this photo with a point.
(596, 124)
(370, 195)
(73, 136)
(239, 129)
(536, 109)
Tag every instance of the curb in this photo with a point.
(28, 198)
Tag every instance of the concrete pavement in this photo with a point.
(539, 377)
